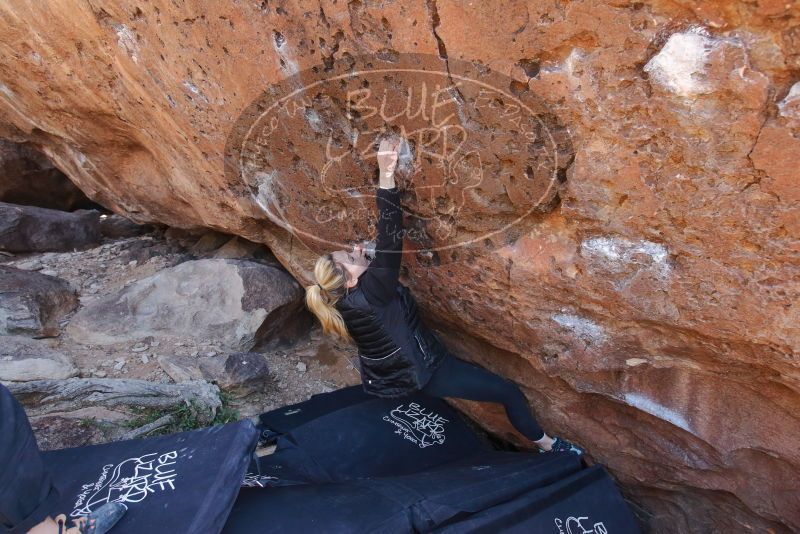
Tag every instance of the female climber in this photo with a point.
(361, 300)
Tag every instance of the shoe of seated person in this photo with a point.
(98, 522)
(562, 445)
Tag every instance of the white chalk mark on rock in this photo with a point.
(282, 49)
(681, 63)
(615, 253)
(588, 331)
(126, 40)
(313, 120)
(193, 88)
(6, 91)
(264, 197)
(657, 410)
(790, 106)
(572, 66)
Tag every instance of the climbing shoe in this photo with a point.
(98, 522)
(562, 445)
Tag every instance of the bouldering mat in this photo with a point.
(315, 508)
(185, 482)
(378, 437)
(362, 465)
(416, 502)
(586, 502)
(284, 419)
(467, 486)
(349, 464)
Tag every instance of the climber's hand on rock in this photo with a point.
(388, 154)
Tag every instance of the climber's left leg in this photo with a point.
(463, 380)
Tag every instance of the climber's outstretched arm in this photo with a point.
(380, 280)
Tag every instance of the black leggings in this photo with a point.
(463, 380)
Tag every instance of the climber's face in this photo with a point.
(354, 262)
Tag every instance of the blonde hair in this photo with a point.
(322, 296)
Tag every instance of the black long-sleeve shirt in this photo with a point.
(379, 281)
(398, 354)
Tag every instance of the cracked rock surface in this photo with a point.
(650, 313)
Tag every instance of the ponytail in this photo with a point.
(322, 296)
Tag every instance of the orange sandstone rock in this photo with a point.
(647, 303)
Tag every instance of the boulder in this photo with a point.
(183, 237)
(142, 250)
(29, 178)
(244, 372)
(648, 306)
(33, 303)
(23, 359)
(116, 226)
(209, 242)
(181, 368)
(235, 303)
(32, 229)
(241, 372)
(240, 248)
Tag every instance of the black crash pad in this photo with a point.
(416, 502)
(375, 437)
(346, 463)
(185, 482)
(287, 418)
(586, 502)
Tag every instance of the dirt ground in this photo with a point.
(310, 364)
